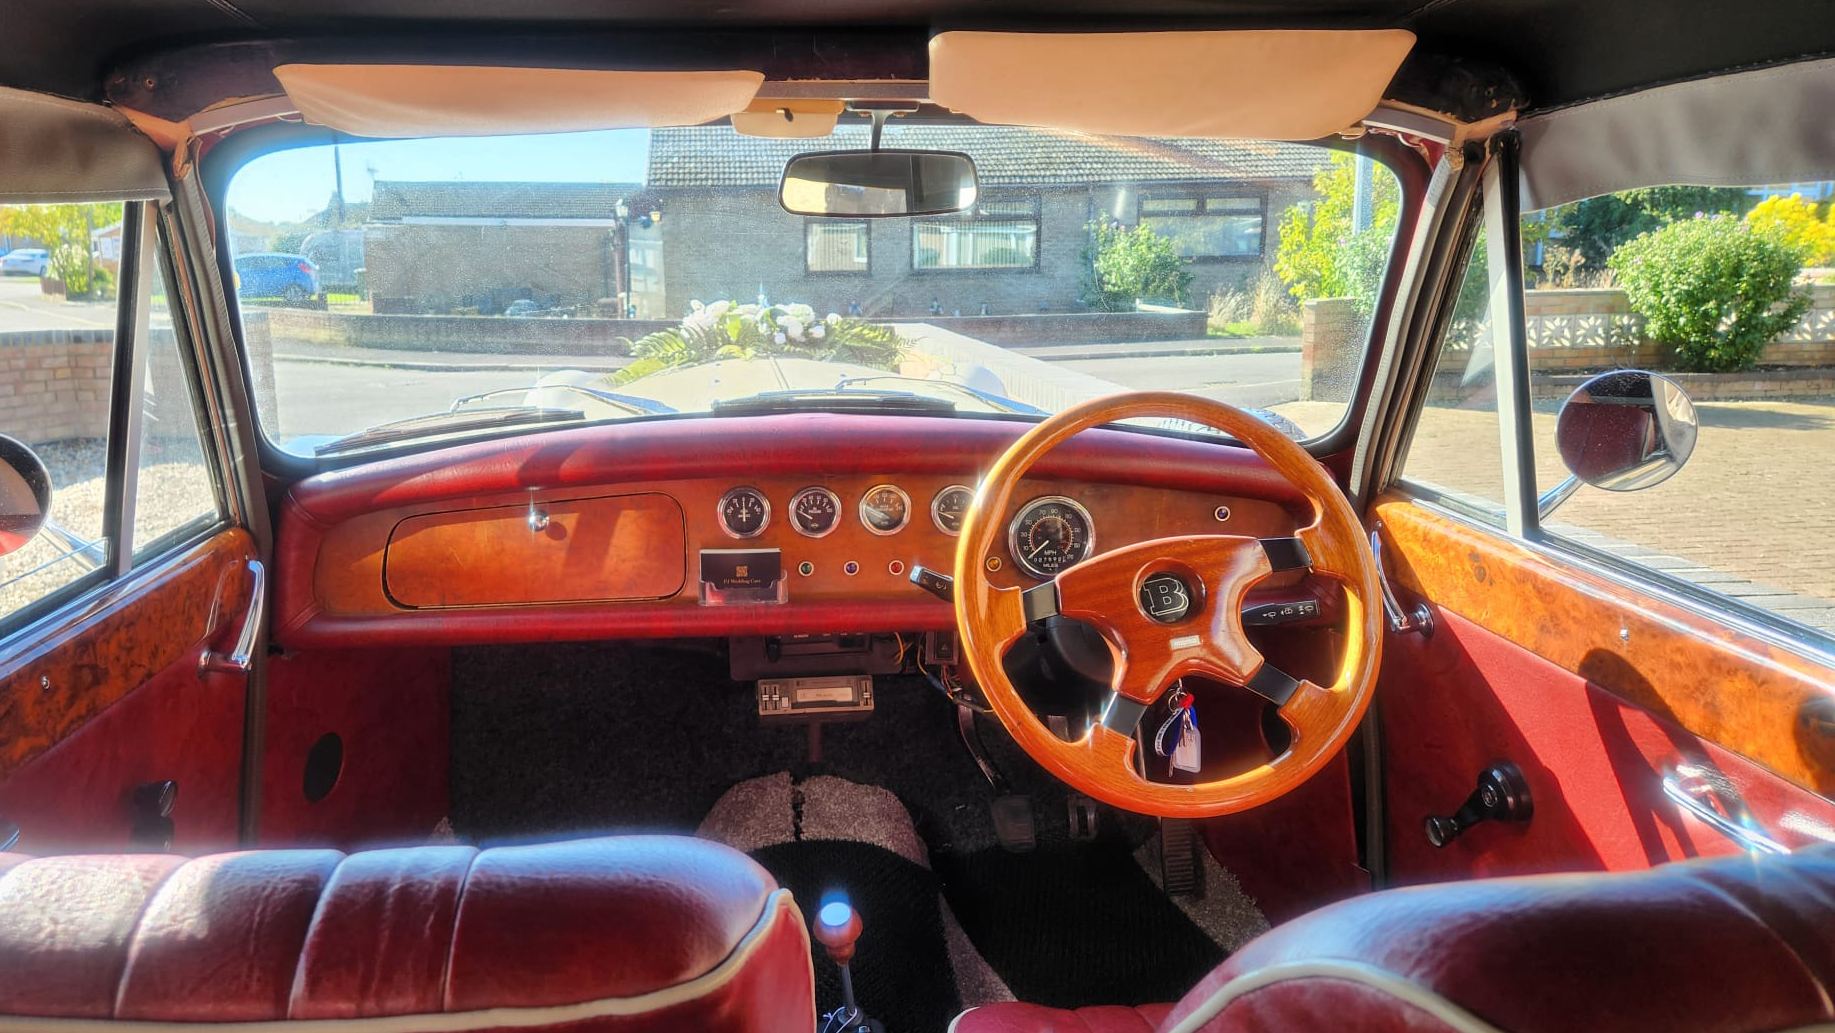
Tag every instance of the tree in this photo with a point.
(1321, 255)
(1597, 226)
(1712, 288)
(64, 229)
(1123, 264)
(1793, 222)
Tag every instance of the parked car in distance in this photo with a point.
(521, 307)
(26, 261)
(293, 278)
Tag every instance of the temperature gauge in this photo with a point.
(885, 509)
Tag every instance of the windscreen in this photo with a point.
(474, 283)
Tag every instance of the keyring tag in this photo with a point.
(1188, 753)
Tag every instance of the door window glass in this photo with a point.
(1456, 451)
(173, 488)
(58, 309)
(1731, 293)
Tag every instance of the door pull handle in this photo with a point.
(241, 657)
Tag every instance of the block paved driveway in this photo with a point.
(1752, 514)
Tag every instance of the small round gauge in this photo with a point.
(1049, 534)
(815, 511)
(744, 512)
(950, 506)
(885, 509)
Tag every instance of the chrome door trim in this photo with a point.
(1699, 794)
(241, 657)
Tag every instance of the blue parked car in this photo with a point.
(26, 261)
(269, 275)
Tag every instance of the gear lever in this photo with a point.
(837, 928)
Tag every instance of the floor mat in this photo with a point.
(1076, 923)
(592, 737)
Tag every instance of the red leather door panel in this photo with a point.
(112, 702)
(1595, 693)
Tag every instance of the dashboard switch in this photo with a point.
(940, 585)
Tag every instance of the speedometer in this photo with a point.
(1049, 534)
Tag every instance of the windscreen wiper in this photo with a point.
(993, 401)
(448, 423)
(830, 399)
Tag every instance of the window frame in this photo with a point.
(143, 239)
(1037, 216)
(1204, 197)
(866, 244)
(1495, 219)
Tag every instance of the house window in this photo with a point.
(992, 235)
(835, 247)
(1207, 226)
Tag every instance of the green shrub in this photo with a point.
(1123, 264)
(1712, 289)
(724, 330)
(1319, 255)
(1261, 308)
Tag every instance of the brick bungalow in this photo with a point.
(1020, 250)
(554, 243)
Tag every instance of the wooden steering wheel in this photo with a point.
(1171, 608)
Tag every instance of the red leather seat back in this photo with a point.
(1732, 945)
(624, 933)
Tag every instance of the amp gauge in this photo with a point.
(744, 513)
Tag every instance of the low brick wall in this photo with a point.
(482, 335)
(1574, 330)
(498, 335)
(1049, 328)
(55, 384)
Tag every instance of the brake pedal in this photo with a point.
(1083, 817)
(1013, 823)
(1179, 869)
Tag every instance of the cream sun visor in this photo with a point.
(1251, 84)
(446, 100)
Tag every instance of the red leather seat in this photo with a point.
(1733, 945)
(627, 933)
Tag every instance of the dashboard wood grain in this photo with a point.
(609, 548)
(337, 582)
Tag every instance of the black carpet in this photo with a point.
(901, 969)
(567, 738)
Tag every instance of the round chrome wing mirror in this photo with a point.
(25, 495)
(1622, 431)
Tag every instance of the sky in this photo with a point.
(289, 185)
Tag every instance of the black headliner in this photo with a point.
(1562, 51)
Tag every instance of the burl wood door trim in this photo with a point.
(607, 548)
(1745, 694)
(144, 626)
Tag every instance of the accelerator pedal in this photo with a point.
(1179, 870)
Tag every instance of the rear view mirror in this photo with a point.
(1622, 431)
(868, 184)
(25, 495)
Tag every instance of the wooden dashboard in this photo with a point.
(598, 532)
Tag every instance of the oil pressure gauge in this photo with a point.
(815, 511)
